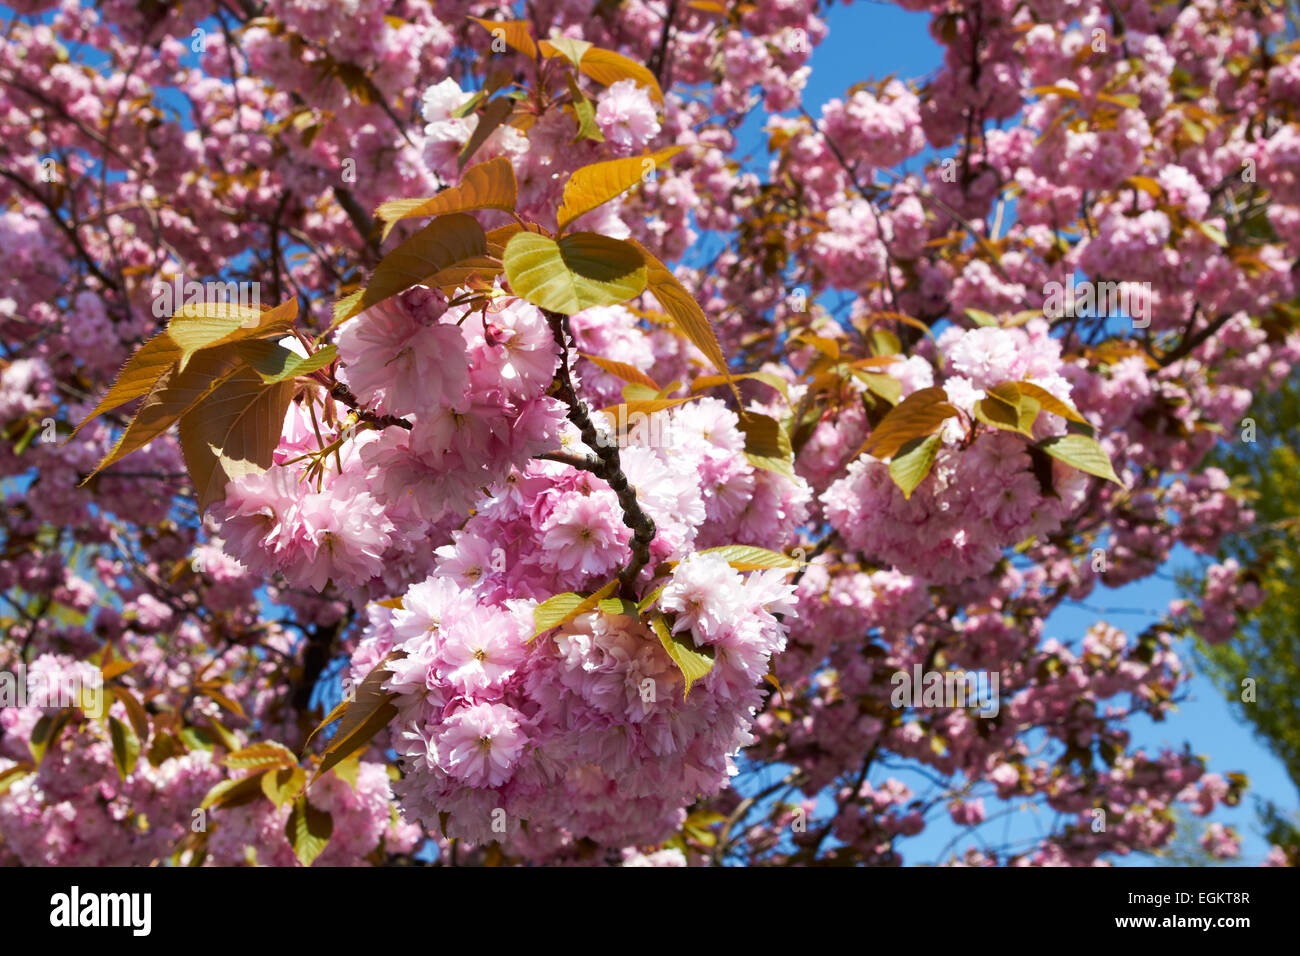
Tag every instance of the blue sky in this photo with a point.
(869, 41)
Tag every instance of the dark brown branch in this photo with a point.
(344, 394)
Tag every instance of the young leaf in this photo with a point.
(126, 746)
(234, 792)
(176, 392)
(913, 462)
(489, 185)
(766, 443)
(275, 363)
(281, 786)
(606, 67)
(489, 118)
(628, 373)
(517, 34)
(744, 557)
(442, 243)
(597, 184)
(367, 714)
(198, 327)
(265, 755)
(692, 661)
(918, 415)
(1079, 451)
(138, 376)
(567, 47)
(684, 310)
(308, 830)
(554, 611)
(577, 272)
(233, 433)
(1050, 403)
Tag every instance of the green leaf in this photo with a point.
(275, 363)
(578, 272)
(308, 830)
(12, 775)
(913, 462)
(1211, 232)
(126, 746)
(743, 557)
(489, 185)
(563, 608)
(1079, 451)
(281, 786)
(597, 184)
(584, 112)
(982, 318)
(766, 443)
(234, 792)
(554, 611)
(46, 733)
(442, 243)
(1050, 403)
(885, 386)
(692, 661)
(205, 326)
(571, 49)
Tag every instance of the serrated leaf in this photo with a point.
(266, 754)
(577, 272)
(744, 557)
(275, 363)
(594, 185)
(684, 311)
(607, 67)
(516, 34)
(628, 373)
(920, 414)
(489, 185)
(913, 462)
(584, 114)
(1082, 452)
(234, 432)
(126, 746)
(175, 393)
(563, 608)
(617, 607)
(205, 326)
(693, 662)
(879, 384)
(1050, 403)
(369, 712)
(308, 830)
(137, 377)
(444, 242)
(489, 119)
(767, 378)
